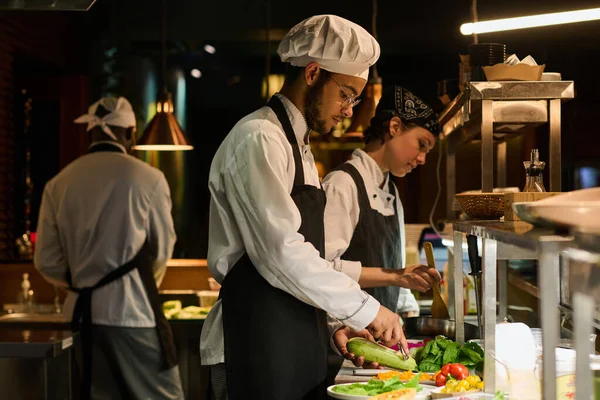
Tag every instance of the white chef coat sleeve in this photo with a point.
(257, 186)
(332, 326)
(49, 258)
(341, 217)
(161, 232)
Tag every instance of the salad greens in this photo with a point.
(376, 386)
(442, 351)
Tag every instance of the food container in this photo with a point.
(565, 373)
(482, 205)
(213, 284)
(518, 72)
(515, 361)
(208, 298)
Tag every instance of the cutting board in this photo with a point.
(510, 198)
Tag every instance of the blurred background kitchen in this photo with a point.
(219, 59)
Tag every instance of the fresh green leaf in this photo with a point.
(430, 358)
(416, 353)
(428, 366)
(443, 343)
(414, 382)
(499, 396)
(375, 387)
(435, 349)
(475, 347)
(427, 349)
(451, 353)
(479, 367)
(466, 362)
(391, 381)
(355, 388)
(471, 354)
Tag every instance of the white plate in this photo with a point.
(422, 395)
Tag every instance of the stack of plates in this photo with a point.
(537, 338)
(485, 54)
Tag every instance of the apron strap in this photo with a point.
(392, 190)
(277, 106)
(82, 314)
(163, 329)
(82, 318)
(363, 196)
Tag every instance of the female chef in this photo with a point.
(364, 218)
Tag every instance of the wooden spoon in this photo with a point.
(438, 307)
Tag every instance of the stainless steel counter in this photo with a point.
(36, 364)
(40, 335)
(34, 343)
(505, 241)
(516, 233)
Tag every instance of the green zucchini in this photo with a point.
(385, 356)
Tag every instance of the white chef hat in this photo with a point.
(120, 113)
(336, 44)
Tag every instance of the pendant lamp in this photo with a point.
(164, 133)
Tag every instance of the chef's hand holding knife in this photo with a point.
(340, 339)
(385, 327)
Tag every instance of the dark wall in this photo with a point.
(85, 55)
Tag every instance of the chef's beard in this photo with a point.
(313, 102)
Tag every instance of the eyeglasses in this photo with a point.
(349, 101)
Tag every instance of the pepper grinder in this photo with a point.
(534, 170)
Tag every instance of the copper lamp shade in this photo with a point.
(163, 133)
(366, 109)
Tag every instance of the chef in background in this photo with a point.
(364, 218)
(267, 338)
(105, 233)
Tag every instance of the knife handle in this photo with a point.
(474, 259)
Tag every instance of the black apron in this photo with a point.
(82, 314)
(276, 345)
(376, 241)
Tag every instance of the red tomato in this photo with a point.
(446, 369)
(440, 380)
(459, 371)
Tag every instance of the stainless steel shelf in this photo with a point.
(515, 233)
(522, 90)
(494, 112)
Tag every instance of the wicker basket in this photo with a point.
(482, 205)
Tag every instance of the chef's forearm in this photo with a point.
(371, 277)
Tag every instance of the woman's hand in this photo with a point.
(417, 277)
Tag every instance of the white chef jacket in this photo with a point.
(94, 217)
(251, 211)
(342, 212)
